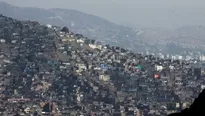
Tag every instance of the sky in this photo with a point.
(136, 13)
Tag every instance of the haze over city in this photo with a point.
(133, 13)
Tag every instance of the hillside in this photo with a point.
(42, 66)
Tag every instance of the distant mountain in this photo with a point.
(190, 35)
(194, 35)
(94, 27)
(89, 25)
(185, 38)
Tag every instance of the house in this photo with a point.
(121, 96)
(80, 40)
(2, 40)
(95, 46)
(6, 61)
(202, 87)
(72, 35)
(62, 34)
(197, 72)
(49, 26)
(1, 56)
(67, 35)
(158, 68)
(13, 41)
(89, 65)
(67, 39)
(81, 67)
(27, 110)
(171, 67)
(66, 63)
(104, 77)
(64, 40)
(156, 76)
(97, 68)
(202, 58)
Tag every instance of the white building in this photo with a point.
(202, 87)
(2, 40)
(80, 41)
(49, 26)
(188, 58)
(158, 68)
(177, 57)
(94, 46)
(171, 67)
(202, 58)
(161, 56)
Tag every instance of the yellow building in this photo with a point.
(104, 77)
(94, 46)
(27, 110)
(67, 39)
(81, 67)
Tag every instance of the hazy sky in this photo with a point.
(148, 13)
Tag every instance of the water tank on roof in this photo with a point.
(49, 26)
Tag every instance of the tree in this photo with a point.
(65, 29)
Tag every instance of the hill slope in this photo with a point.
(40, 64)
(46, 65)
